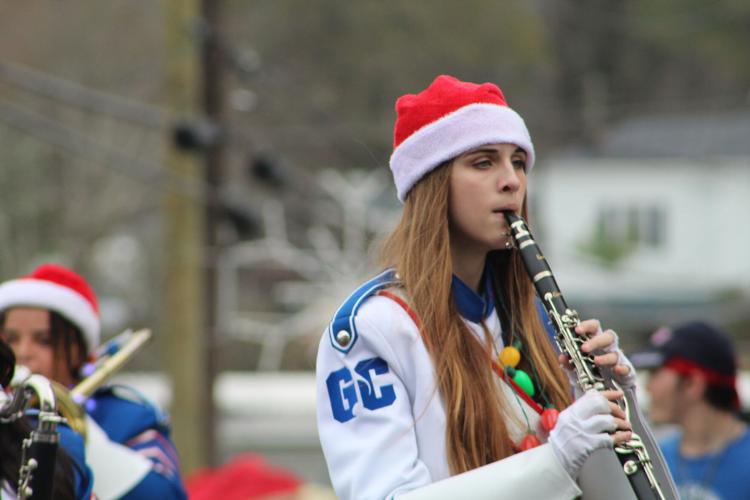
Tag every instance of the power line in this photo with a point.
(83, 98)
(79, 144)
(154, 175)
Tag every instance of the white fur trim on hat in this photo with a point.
(61, 299)
(467, 128)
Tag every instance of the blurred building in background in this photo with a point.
(650, 227)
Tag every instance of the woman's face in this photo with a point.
(484, 183)
(27, 331)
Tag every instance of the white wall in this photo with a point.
(707, 240)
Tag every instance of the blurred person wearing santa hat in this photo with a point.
(50, 318)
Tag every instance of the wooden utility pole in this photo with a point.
(212, 68)
(184, 319)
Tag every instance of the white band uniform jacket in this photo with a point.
(382, 422)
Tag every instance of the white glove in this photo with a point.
(582, 428)
(625, 381)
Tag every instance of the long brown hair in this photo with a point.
(476, 430)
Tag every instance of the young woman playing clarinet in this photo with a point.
(439, 373)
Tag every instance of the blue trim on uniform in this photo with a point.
(74, 446)
(122, 418)
(469, 303)
(344, 317)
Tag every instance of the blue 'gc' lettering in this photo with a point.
(367, 369)
(342, 394)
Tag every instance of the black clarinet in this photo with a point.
(633, 455)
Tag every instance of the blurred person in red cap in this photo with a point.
(50, 318)
(437, 376)
(694, 385)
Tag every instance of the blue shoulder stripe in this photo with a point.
(343, 320)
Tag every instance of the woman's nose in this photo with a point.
(509, 180)
(24, 351)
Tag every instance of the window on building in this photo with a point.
(632, 225)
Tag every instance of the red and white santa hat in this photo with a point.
(58, 289)
(447, 119)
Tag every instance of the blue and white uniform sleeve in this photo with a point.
(135, 456)
(365, 417)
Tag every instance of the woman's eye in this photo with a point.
(482, 163)
(520, 163)
(43, 338)
(9, 337)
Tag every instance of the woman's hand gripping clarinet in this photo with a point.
(632, 454)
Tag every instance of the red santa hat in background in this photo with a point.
(58, 289)
(448, 119)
